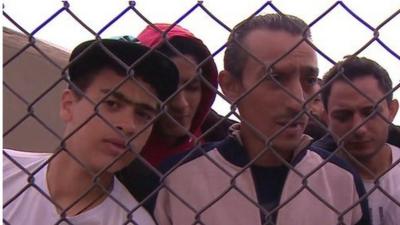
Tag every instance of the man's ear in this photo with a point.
(393, 108)
(231, 86)
(68, 99)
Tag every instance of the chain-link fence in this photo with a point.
(232, 189)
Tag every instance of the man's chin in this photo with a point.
(284, 145)
(363, 154)
(179, 132)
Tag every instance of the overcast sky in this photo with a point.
(336, 34)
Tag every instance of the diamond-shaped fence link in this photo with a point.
(27, 103)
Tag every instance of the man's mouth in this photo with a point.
(291, 124)
(358, 142)
(182, 119)
(116, 146)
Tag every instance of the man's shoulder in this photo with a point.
(327, 154)
(394, 135)
(395, 148)
(395, 153)
(28, 160)
(17, 168)
(124, 200)
(23, 155)
(192, 155)
(121, 194)
(326, 143)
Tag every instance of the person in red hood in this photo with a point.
(176, 131)
(188, 120)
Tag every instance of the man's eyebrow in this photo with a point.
(341, 110)
(121, 97)
(273, 69)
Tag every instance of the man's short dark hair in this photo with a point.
(154, 68)
(352, 68)
(236, 57)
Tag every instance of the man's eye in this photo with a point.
(342, 116)
(193, 86)
(310, 80)
(112, 104)
(275, 77)
(317, 99)
(368, 111)
(143, 115)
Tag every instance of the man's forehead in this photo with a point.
(276, 43)
(349, 106)
(290, 65)
(345, 96)
(137, 92)
(360, 86)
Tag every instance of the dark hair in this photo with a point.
(236, 57)
(90, 57)
(352, 68)
(184, 46)
(193, 47)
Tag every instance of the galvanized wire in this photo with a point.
(131, 8)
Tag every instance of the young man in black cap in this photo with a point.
(115, 91)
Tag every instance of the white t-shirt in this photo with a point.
(380, 205)
(25, 204)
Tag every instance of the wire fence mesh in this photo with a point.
(200, 212)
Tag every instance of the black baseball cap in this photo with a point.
(149, 65)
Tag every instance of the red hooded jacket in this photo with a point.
(156, 150)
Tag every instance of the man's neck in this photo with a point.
(72, 186)
(266, 156)
(172, 141)
(373, 167)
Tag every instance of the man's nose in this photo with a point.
(360, 123)
(126, 123)
(179, 102)
(295, 96)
